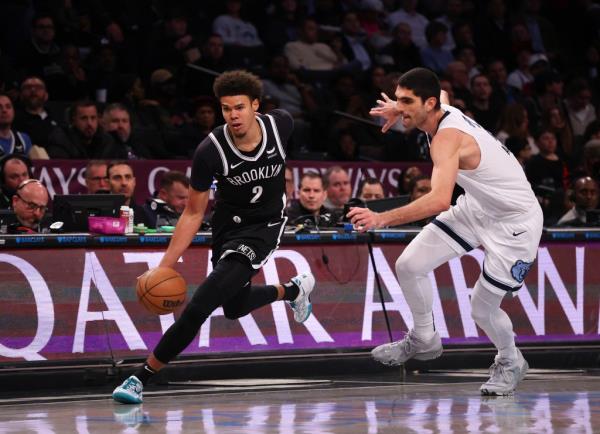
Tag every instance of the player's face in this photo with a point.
(412, 108)
(239, 113)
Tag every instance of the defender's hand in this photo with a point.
(386, 109)
(364, 219)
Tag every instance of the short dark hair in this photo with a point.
(173, 176)
(80, 104)
(370, 181)
(423, 82)
(117, 163)
(413, 182)
(238, 82)
(92, 163)
(312, 175)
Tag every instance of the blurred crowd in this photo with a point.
(111, 80)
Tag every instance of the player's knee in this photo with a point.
(407, 266)
(232, 312)
(479, 312)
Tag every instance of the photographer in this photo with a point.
(166, 207)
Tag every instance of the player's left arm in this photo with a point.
(444, 152)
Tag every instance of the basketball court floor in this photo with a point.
(439, 401)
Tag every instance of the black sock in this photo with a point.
(291, 291)
(144, 373)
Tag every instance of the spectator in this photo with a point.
(310, 203)
(420, 186)
(240, 37)
(514, 122)
(11, 141)
(502, 93)
(127, 143)
(290, 186)
(484, 113)
(554, 120)
(337, 184)
(213, 59)
(14, 169)
(33, 117)
(520, 148)
(434, 55)
(453, 15)
(165, 208)
(408, 14)
(546, 169)
(580, 111)
(585, 198)
(402, 52)
(406, 177)
(309, 57)
(30, 203)
(283, 25)
(591, 159)
(355, 46)
(370, 189)
(458, 75)
(344, 147)
(96, 179)
(491, 32)
(122, 181)
(466, 54)
(548, 94)
(82, 139)
(41, 55)
(521, 77)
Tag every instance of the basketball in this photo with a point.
(161, 290)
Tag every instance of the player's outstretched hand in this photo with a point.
(386, 109)
(364, 219)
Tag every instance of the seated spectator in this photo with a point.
(30, 203)
(370, 189)
(520, 148)
(485, 114)
(407, 13)
(355, 46)
(521, 78)
(344, 147)
(290, 186)
(33, 117)
(420, 186)
(514, 122)
(585, 198)
(546, 169)
(82, 139)
(402, 51)
(14, 169)
(127, 143)
(591, 159)
(434, 55)
(406, 177)
(165, 208)
(337, 184)
(122, 181)
(240, 37)
(579, 108)
(309, 205)
(96, 180)
(11, 141)
(308, 56)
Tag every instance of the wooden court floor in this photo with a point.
(548, 401)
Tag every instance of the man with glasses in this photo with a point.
(96, 179)
(30, 204)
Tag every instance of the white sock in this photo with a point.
(425, 253)
(485, 310)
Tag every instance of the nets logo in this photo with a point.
(246, 251)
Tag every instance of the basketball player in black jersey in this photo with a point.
(246, 159)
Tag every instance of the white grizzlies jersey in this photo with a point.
(498, 186)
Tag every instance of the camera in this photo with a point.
(354, 202)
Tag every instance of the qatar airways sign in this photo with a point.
(79, 303)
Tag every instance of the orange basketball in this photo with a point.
(161, 290)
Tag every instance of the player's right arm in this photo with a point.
(187, 227)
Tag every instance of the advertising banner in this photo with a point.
(80, 303)
(68, 176)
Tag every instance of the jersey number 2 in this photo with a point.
(257, 191)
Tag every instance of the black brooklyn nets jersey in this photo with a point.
(250, 186)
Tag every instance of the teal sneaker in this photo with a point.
(302, 306)
(129, 392)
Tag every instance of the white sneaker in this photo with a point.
(302, 306)
(398, 352)
(505, 375)
(129, 392)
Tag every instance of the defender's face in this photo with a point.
(239, 113)
(411, 107)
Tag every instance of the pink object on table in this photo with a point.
(107, 225)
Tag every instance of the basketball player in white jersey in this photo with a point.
(498, 211)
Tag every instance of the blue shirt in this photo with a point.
(17, 143)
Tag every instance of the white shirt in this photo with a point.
(498, 186)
